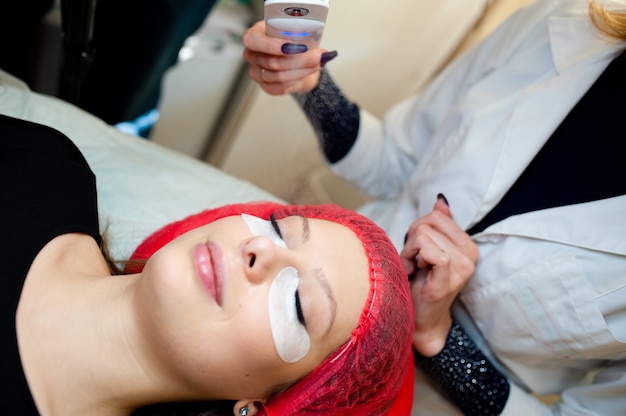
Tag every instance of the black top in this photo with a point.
(583, 160)
(47, 189)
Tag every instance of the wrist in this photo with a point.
(311, 83)
(334, 118)
(431, 342)
(312, 87)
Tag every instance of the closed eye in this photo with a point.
(275, 226)
(299, 310)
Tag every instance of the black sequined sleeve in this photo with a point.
(334, 118)
(463, 372)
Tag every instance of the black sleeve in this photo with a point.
(46, 190)
(466, 375)
(334, 118)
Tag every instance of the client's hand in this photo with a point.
(278, 66)
(442, 257)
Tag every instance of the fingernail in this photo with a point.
(443, 198)
(293, 48)
(327, 57)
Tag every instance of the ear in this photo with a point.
(248, 404)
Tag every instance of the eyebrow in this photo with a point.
(306, 231)
(321, 278)
(323, 281)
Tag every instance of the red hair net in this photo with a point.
(370, 374)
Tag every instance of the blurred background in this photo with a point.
(210, 110)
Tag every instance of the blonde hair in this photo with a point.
(610, 22)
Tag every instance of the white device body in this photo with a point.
(300, 22)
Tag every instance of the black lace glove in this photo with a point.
(465, 374)
(334, 118)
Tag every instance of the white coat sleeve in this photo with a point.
(387, 152)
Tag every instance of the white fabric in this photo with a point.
(141, 185)
(549, 292)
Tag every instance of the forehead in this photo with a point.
(343, 257)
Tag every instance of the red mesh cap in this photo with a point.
(371, 373)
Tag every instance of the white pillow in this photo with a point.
(141, 185)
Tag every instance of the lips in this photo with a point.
(210, 269)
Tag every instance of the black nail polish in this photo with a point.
(327, 57)
(443, 197)
(293, 48)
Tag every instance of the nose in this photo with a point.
(262, 259)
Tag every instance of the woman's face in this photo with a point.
(242, 306)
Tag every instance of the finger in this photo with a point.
(270, 52)
(438, 283)
(427, 250)
(441, 220)
(438, 239)
(269, 69)
(445, 225)
(255, 39)
(423, 237)
(462, 257)
(409, 253)
(287, 76)
(432, 257)
(440, 250)
(298, 86)
(427, 236)
(460, 265)
(442, 205)
(410, 267)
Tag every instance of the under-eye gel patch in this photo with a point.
(290, 337)
(259, 226)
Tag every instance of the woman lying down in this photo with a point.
(255, 308)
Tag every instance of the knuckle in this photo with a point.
(466, 266)
(437, 216)
(421, 239)
(246, 39)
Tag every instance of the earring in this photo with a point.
(244, 411)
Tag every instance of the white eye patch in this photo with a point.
(259, 226)
(291, 339)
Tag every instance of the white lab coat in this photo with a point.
(549, 293)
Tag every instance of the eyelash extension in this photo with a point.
(275, 226)
(299, 310)
(297, 295)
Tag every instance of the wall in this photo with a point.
(197, 87)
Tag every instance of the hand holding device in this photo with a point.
(299, 22)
